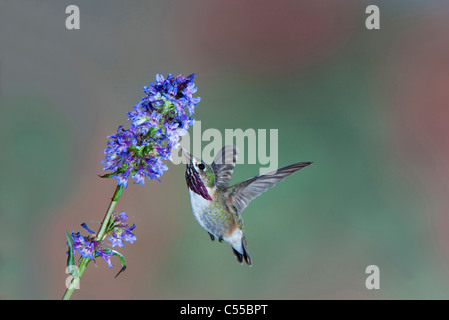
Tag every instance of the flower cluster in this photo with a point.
(119, 231)
(157, 122)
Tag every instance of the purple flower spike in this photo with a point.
(161, 117)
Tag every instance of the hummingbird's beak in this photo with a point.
(186, 154)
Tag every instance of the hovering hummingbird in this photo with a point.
(216, 206)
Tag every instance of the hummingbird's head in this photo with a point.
(199, 175)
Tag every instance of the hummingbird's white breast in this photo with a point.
(200, 207)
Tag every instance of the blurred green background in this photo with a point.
(369, 108)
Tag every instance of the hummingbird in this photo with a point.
(218, 207)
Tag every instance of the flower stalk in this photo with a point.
(78, 272)
(157, 122)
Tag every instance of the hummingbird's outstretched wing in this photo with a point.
(223, 166)
(241, 194)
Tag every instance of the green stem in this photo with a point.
(100, 235)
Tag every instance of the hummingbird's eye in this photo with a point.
(201, 166)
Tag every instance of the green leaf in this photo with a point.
(122, 261)
(107, 175)
(71, 267)
(118, 254)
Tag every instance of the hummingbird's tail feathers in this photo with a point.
(238, 255)
(240, 195)
(244, 255)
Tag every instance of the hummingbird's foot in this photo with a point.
(212, 236)
(220, 239)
